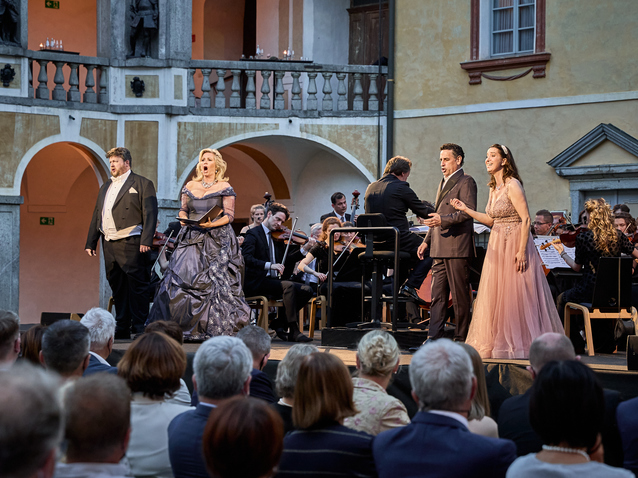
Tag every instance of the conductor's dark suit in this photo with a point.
(393, 198)
(127, 269)
(451, 245)
(258, 280)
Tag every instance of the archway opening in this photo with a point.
(60, 188)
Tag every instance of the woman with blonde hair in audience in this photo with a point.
(321, 445)
(243, 438)
(479, 418)
(152, 367)
(377, 361)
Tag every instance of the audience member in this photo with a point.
(627, 414)
(152, 367)
(566, 410)
(9, 338)
(101, 325)
(174, 331)
(65, 348)
(222, 370)
(321, 445)
(286, 380)
(30, 422)
(258, 342)
(479, 420)
(513, 416)
(243, 437)
(97, 428)
(438, 439)
(377, 361)
(31, 344)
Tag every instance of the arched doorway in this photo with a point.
(59, 187)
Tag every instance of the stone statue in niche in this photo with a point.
(9, 17)
(143, 22)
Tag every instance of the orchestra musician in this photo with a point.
(543, 223)
(339, 208)
(257, 214)
(602, 239)
(265, 268)
(392, 196)
(625, 223)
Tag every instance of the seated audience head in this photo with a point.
(30, 422)
(288, 369)
(65, 348)
(101, 325)
(276, 215)
(31, 344)
(339, 203)
(481, 401)
(328, 225)
(258, 342)
(153, 365)
(222, 367)
(323, 393)
(399, 166)
(377, 354)
(543, 222)
(9, 338)
(257, 214)
(170, 328)
(241, 426)
(620, 208)
(97, 419)
(566, 405)
(442, 378)
(549, 347)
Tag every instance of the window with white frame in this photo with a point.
(513, 24)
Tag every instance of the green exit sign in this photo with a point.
(52, 4)
(47, 221)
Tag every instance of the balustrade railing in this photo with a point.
(219, 87)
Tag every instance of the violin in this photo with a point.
(342, 246)
(567, 238)
(284, 234)
(159, 240)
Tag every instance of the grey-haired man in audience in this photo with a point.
(9, 338)
(65, 348)
(101, 325)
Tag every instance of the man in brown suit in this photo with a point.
(451, 244)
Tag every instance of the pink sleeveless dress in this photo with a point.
(512, 308)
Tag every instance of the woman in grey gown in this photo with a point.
(201, 288)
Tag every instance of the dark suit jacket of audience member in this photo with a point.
(438, 446)
(327, 450)
(256, 254)
(261, 386)
(392, 197)
(286, 415)
(185, 443)
(513, 424)
(333, 214)
(95, 366)
(627, 414)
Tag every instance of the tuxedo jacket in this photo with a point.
(455, 236)
(256, 253)
(393, 198)
(185, 442)
(333, 214)
(135, 204)
(438, 446)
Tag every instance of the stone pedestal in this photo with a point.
(10, 252)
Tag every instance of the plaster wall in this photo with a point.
(592, 43)
(535, 136)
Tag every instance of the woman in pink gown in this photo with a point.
(514, 304)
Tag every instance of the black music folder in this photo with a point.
(210, 215)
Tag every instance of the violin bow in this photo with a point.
(344, 250)
(292, 231)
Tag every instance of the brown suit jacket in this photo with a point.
(455, 236)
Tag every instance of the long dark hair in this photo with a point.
(509, 168)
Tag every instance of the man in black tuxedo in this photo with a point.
(264, 270)
(392, 196)
(125, 217)
(450, 241)
(339, 206)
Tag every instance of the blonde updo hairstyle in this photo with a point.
(378, 354)
(220, 166)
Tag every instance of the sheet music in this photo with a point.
(478, 229)
(550, 256)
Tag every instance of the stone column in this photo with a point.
(10, 252)
(112, 34)
(176, 37)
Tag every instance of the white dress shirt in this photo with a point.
(108, 223)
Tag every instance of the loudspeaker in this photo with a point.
(48, 318)
(632, 352)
